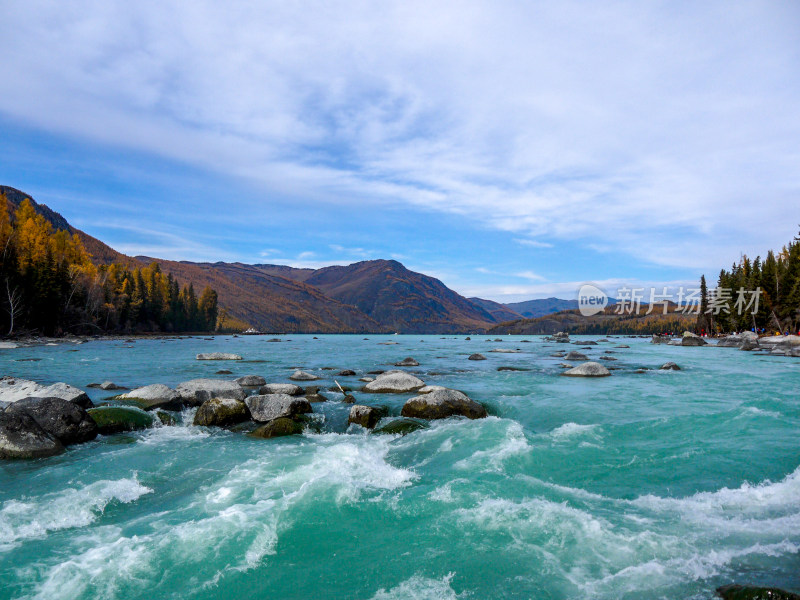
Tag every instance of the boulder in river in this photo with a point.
(740, 592)
(251, 381)
(346, 373)
(219, 412)
(659, 339)
(13, 389)
(218, 356)
(407, 362)
(197, 391)
(299, 375)
(278, 428)
(367, 416)
(576, 356)
(268, 407)
(22, 437)
(64, 420)
(290, 389)
(669, 366)
(441, 404)
(476, 356)
(401, 426)
(116, 419)
(153, 396)
(692, 339)
(588, 369)
(394, 382)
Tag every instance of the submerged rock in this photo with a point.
(588, 369)
(289, 389)
(278, 428)
(367, 416)
(197, 391)
(401, 426)
(441, 404)
(576, 356)
(476, 357)
(669, 366)
(407, 362)
(509, 368)
(740, 592)
(116, 419)
(251, 381)
(64, 420)
(153, 396)
(275, 406)
(22, 437)
(299, 375)
(394, 382)
(346, 373)
(659, 339)
(218, 356)
(220, 412)
(13, 389)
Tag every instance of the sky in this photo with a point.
(514, 150)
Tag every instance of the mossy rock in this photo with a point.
(278, 428)
(401, 426)
(740, 592)
(116, 419)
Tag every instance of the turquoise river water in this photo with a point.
(639, 485)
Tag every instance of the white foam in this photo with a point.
(70, 508)
(513, 444)
(420, 588)
(567, 431)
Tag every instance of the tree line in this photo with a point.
(50, 286)
(755, 294)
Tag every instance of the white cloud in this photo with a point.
(530, 275)
(669, 135)
(533, 243)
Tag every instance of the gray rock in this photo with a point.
(476, 357)
(367, 379)
(108, 386)
(692, 339)
(407, 362)
(588, 369)
(197, 391)
(367, 416)
(430, 388)
(64, 420)
(289, 389)
(299, 375)
(441, 404)
(607, 358)
(22, 437)
(13, 389)
(219, 412)
(504, 350)
(659, 339)
(669, 366)
(218, 356)
(274, 406)
(576, 356)
(251, 381)
(346, 373)
(394, 382)
(153, 396)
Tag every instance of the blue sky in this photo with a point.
(514, 150)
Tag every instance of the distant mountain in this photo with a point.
(101, 253)
(397, 298)
(531, 309)
(370, 296)
(500, 313)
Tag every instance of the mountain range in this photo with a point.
(367, 296)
